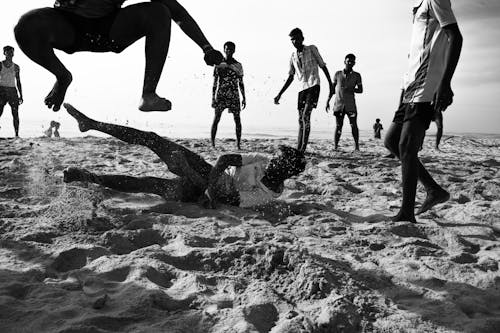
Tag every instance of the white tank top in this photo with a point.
(8, 76)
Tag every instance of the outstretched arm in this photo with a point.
(287, 84)
(18, 82)
(186, 22)
(330, 85)
(444, 94)
(220, 166)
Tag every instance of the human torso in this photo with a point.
(344, 90)
(228, 74)
(248, 181)
(426, 61)
(8, 75)
(89, 8)
(305, 64)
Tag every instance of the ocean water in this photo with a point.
(30, 128)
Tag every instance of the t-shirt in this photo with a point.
(305, 64)
(426, 62)
(247, 180)
(228, 75)
(344, 90)
(8, 75)
(89, 8)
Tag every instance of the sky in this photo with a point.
(107, 86)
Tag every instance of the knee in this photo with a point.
(31, 23)
(158, 15)
(391, 145)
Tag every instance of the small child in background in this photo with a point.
(53, 125)
(56, 129)
(377, 128)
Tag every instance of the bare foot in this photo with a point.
(84, 122)
(56, 96)
(400, 217)
(153, 102)
(433, 198)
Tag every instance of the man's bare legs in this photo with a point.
(237, 124)
(15, 119)
(215, 124)
(304, 127)
(152, 20)
(355, 132)
(338, 129)
(38, 33)
(167, 188)
(403, 140)
(167, 150)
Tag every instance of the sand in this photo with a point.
(324, 258)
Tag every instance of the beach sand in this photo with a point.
(324, 258)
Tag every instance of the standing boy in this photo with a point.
(305, 62)
(228, 77)
(377, 128)
(346, 83)
(9, 80)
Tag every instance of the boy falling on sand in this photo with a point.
(104, 26)
(255, 180)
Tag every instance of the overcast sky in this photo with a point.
(108, 86)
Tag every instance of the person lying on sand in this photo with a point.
(255, 180)
(104, 26)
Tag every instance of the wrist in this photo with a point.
(206, 48)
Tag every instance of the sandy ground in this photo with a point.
(325, 258)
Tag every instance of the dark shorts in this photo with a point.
(407, 111)
(9, 95)
(232, 104)
(340, 114)
(309, 96)
(91, 34)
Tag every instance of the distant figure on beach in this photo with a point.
(377, 129)
(228, 77)
(104, 26)
(53, 125)
(346, 83)
(255, 180)
(305, 62)
(436, 44)
(10, 85)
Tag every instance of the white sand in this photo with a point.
(326, 258)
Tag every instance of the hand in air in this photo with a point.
(277, 100)
(213, 57)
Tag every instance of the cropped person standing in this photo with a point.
(10, 85)
(436, 44)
